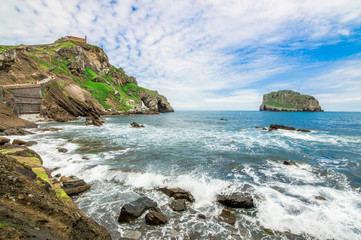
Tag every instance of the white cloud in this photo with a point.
(189, 49)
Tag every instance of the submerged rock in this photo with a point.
(320, 198)
(273, 127)
(288, 163)
(236, 200)
(133, 210)
(178, 193)
(155, 218)
(136, 125)
(227, 216)
(178, 205)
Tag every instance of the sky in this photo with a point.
(210, 54)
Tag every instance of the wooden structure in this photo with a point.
(78, 39)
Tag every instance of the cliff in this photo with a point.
(33, 205)
(80, 81)
(289, 101)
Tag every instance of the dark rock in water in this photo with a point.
(202, 216)
(133, 210)
(178, 193)
(58, 175)
(288, 163)
(320, 198)
(49, 129)
(31, 143)
(62, 150)
(75, 186)
(136, 125)
(155, 218)
(236, 200)
(18, 142)
(227, 216)
(85, 158)
(273, 127)
(223, 119)
(178, 205)
(4, 140)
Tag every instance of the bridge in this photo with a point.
(27, 96)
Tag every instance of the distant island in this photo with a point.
(289, 101)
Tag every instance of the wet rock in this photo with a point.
(223, 119)
(85, 158)
(201, 216)
(133, 210)
(4, 140)
(155, 218)
(288, 163)
(62, 150)
(75, 186)
(31, 143)
(18, 142)
(58, 175)
(236, 200)
(320, 198)
(273, 127)
(178, 193)
(49, 129)
(178, 205)
(227, 216)
(131, 235)
(136, 125)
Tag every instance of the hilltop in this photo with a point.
(82, 82)
(289, 101)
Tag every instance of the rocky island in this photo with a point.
(289, 101)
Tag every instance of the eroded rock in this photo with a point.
(178, 193)
(178, 205)
(236, 200)
(155, 218)
(133, 210)
(136, 125)
(227, 216)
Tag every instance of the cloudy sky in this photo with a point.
(211, 54)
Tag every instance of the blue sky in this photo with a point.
(212, 55)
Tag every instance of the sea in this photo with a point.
(319, 197)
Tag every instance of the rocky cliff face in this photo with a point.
(34, 206)
(289, 101)
(77, 68)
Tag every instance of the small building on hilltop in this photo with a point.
(78, 39)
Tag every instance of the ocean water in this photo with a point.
(196, 151)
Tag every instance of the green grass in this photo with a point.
(90, 74)
(43, 64)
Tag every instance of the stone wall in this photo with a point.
(27, 99)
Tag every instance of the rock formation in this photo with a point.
(289, 101)
(34, 206)
(84, 82)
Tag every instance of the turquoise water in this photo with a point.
(198, 152)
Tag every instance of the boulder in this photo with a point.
(178, 205)
(288, 163)
(227, 216)
(133, 210)
(62, 150)
(155, 218)
(178, 193)
(136, 125)
(4, 140)
(18, 142)
(236, 200)
(74, 186)
(201, 216)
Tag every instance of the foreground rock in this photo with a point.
(273, 127)
(75, 186)
(155, 217)
(4, 140)
(178, 205)
(133, 210)
(236, 200)
(227, 216)
(178, 193)
(289, 101)
(33, 206)
(136, 125)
